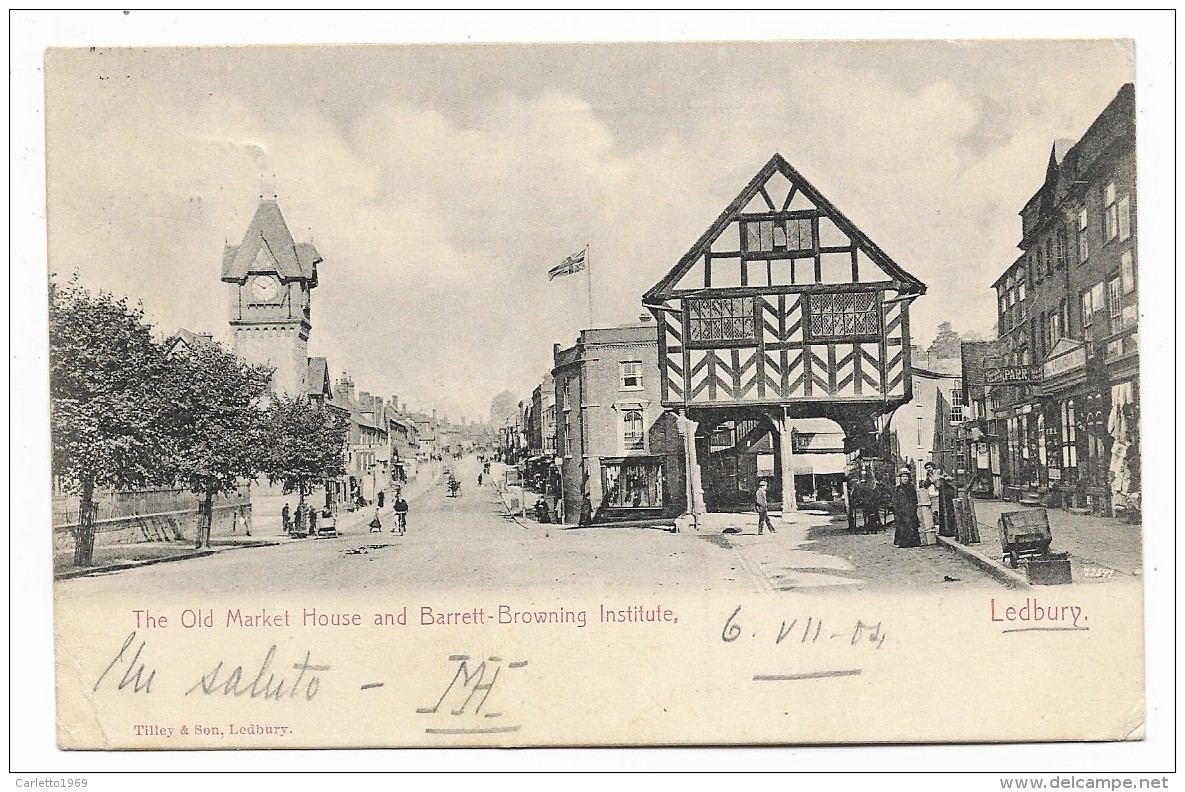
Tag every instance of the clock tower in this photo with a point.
(270, 278)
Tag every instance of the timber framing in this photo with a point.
(899, 280)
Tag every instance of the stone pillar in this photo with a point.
(789, 502)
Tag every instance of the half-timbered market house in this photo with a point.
(782, 310)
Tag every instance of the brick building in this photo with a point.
(368, 447)
(1068, 314)
(617, 443)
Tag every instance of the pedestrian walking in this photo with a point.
(382, 497)
(905, 511)
(479, 479)
(376, 524)
(286, 518)
(761, 500)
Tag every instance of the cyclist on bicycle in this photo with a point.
(400, 506)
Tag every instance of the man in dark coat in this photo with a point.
(905, 511)
(761, 501)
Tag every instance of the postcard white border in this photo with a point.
(32, 741)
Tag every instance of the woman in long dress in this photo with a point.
(905, 511)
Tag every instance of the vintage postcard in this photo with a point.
(683, 393)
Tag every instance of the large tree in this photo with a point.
(946, 342)
(306, 445)
(109, 411)
(217, 425)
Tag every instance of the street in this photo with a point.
(469, 542)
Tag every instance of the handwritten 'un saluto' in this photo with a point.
(464, 702)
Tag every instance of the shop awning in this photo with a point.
(819, 464)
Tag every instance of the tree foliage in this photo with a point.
(110, 413)
(108, 382)
(946, 342)
(306, 444)
(217, 426)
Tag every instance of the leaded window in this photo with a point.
(844, 314)
(716, 319)
(781, 235)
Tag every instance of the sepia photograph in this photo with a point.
(564, 393)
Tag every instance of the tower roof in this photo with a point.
(268, 234)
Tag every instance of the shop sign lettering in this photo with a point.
(1069, 361)
(1009, 375)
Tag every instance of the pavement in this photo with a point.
(1101, 549)
(472, 542)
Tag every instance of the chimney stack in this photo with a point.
(345, 388)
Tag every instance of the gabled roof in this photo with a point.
(189, 339)
(904, 282)
(317, 377)
(269, 239)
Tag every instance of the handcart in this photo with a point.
(327, 524)
(1025, 535)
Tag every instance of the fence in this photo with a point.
(114, 506)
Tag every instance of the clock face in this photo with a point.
(265, 288)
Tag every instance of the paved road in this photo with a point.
(469, 542)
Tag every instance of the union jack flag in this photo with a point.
(574, 263)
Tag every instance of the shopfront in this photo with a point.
(631, 486)
(1069, 429)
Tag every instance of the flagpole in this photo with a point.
(588, 271)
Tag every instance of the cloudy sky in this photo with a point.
(441, 182)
